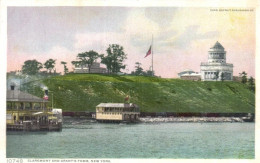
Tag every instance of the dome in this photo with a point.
(217, 46)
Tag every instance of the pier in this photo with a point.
(29, 126)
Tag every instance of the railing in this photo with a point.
(215, 64)
(120, 111)
(29, 109)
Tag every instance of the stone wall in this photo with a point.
(192, 119)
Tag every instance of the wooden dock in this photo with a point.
(28, 126)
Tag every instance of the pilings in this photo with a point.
(34, 127)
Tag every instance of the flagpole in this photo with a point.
(152, 55)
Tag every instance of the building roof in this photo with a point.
(19, 96)
(117, 105)
(217, 46)
(187, 71)
(192, 74)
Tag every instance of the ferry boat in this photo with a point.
(117, 112)
(26, 112)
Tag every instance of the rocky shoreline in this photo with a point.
(192, 119)
(172, 119)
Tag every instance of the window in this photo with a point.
(206, 75)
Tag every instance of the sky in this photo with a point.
(182, 37)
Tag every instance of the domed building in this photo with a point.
(216, 68)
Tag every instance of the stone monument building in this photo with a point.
(216, 68)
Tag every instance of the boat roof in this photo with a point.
(117, 105)
(19, 96)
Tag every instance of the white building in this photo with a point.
(189, 74)
(95, 68)
(186, 72)
(192, 76)
(216, 65)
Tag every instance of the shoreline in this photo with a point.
(193, 119)
(176, 119)
(155, 117)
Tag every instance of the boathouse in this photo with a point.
(117, 112)
(28, 112)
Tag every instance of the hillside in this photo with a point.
(82, 92)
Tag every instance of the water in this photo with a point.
(82, 139)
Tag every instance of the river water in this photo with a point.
(85, 139)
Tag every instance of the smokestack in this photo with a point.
(46, 91)
(12, 86)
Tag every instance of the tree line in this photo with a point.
(250, 81)
(244, 79)
(140, 71)
(113, 60)
(33, 67)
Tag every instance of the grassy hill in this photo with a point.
(82, 92)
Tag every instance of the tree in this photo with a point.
(107, 61)
(222, 76)
(49, 64)
(75, 63)
(114, 59)
(150, 73)
(244, 77)
(251, 83)
(138, 69)
(217, 75)
(65, 67)
(87, 58)
(31, 67)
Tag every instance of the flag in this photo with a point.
(149, 51)
(45, 97)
